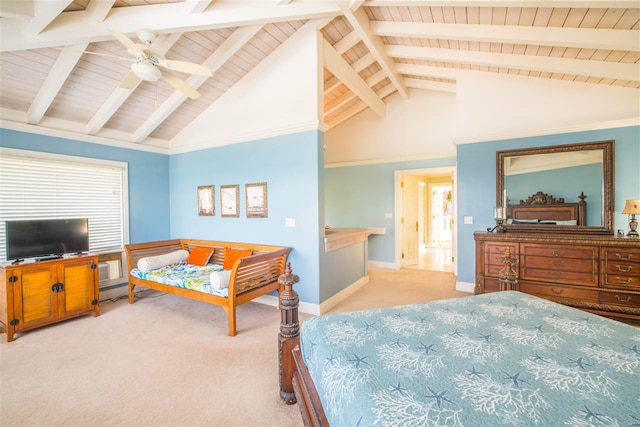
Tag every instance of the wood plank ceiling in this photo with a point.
(55, 72)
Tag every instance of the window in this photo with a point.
(36, 185)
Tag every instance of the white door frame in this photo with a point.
(397, 179)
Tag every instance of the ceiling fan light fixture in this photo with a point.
(146, 71)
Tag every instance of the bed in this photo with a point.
(222, 279)
(505, 358)
(542, 208)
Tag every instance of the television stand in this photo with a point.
(49, 258)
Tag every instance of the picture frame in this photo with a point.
(206, 200)
(256, 196)
(230, 201)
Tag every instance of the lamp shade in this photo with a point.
(632, 207)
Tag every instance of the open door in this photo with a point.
(409, 220)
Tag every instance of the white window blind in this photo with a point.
(45, 186)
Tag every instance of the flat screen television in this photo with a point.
(46, 237)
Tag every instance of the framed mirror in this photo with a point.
(557, 189)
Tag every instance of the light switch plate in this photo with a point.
(468, 219)
(289, 222)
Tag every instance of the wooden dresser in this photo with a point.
(596, 273)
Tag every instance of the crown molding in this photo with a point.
(550, 131)
(67, 134)
(236, 139)
(390, 160)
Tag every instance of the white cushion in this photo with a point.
(159, 261)
(220, 279)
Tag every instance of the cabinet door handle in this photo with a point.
(560, 292)
(624, 258)
(557, 263)
(554, 253)
(627, 299)
(624, 282)
(626, 270)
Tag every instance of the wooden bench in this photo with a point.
(250, 277)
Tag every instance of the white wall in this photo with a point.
(279, 96)
(485, 106)
(422, 125)
(503, 104)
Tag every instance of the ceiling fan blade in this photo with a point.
(128, 43)
(88, 52)
(186, 67)
(180, 85)
(129, 81)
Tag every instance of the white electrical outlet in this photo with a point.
(388, 215)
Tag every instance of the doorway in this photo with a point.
(425, 211)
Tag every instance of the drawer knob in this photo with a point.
(625, 270)
(627, 299)
(625, 281)
(556, 253)
(626, 257)
(557, 263)
(560, 292)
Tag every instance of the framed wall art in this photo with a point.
(206, 204)
(256, 200)
(229, 201)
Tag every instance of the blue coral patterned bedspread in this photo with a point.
(183, 275)
(505, 358)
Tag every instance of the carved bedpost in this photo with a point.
(289, 335)
(582, 209)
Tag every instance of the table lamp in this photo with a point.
(632, 207)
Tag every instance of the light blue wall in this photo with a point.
(477, 174)
(148, 178)
(575, 180)
(359, 197)
(291, 167)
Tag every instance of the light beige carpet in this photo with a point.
(167, 361)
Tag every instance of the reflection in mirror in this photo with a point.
(578, 172)
(556, 177)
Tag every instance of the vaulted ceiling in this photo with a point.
(61, 67)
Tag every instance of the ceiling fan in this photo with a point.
(151, 66)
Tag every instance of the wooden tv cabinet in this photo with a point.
(36, 294)
(600, 274)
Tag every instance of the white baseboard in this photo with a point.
(384, 265)
(343, 294)
(465, 287)
(303, 307)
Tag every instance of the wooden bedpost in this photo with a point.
(289, 335)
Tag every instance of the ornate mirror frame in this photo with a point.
(607, 148)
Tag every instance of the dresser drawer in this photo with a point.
(620, 298)
(621, 268)
(561, 264)
(559, 251)
(560, 291)
(493, 253)
(620, 254)
(583, 278)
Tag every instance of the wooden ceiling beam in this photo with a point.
(579, 67)
(360, 23)
(350, 78)
(198, 6)
(430, 85)
(72, 28)
(218, 58)
(592, 38)
(56, 77)
(606, 4)
(44, 12)
(97, 10)
(108, 108)
(357, 108)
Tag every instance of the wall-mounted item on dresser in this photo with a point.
(632, 207)
(206, 201)
(541, 176)
(229, 201)
(256, 200)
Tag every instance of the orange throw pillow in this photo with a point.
(200, 256)
(232, 255)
